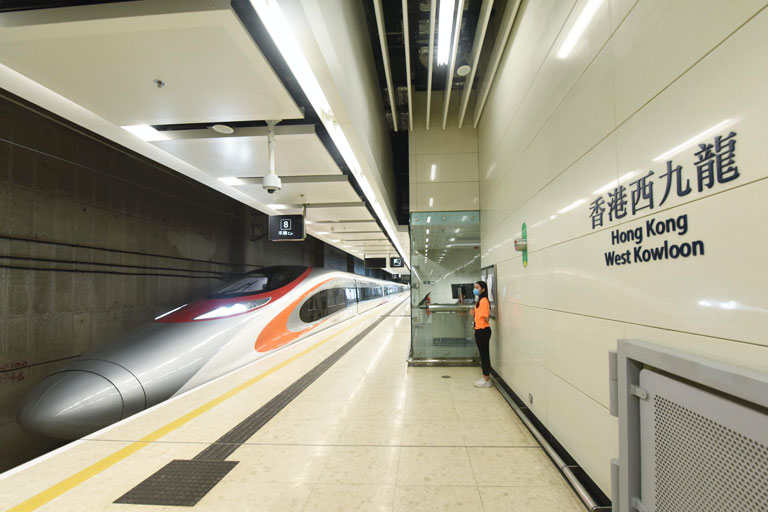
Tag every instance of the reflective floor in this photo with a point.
(369, 434)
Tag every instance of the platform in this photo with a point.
(336, 422)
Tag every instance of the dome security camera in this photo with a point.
(272, 183)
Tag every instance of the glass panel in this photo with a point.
(445, 263)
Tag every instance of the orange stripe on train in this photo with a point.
(276, 333)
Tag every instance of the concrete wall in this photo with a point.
(95, 241)
(645, 84)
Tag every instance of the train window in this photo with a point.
(324, 303)
(259, 281)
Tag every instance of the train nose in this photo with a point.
(70, 405)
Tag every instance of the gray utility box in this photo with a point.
(693, 432)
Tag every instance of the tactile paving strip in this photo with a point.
(185, 482)
(179, 483)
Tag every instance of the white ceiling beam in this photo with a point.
(507, 21)
(246, 131)
(354, 204)
(385, 58)
(477, 48)
(452, 65)
(406, 39)
(293, 180)
(432, 9)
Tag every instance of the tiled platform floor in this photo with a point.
(370, 434)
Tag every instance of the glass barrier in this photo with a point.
(445, 263)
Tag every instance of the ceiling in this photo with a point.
(182, 66)
(404, 64)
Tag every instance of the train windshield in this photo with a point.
(259, 281)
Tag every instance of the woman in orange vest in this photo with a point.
(483, 332)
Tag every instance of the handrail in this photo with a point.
(440, 308)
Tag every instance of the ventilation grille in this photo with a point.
(703, 466)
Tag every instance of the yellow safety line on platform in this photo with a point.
(73, 481)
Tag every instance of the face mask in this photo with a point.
(476, 292)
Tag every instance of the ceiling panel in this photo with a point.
(106, 57)
(346, 213)
(291, 193)
(361, 237)
(345, 226)
(300, 154)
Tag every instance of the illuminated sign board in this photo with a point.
(396, 262)
(284, 228)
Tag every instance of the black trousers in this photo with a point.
(483, 340)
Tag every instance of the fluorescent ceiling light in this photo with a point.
(145, 132)
(232, 181)
(427, 230)
(433, 172)
(445, 30)
(572, 206)
(429, 219)
(578, 28)
(457, 230)
(431, 201)
(693, 140)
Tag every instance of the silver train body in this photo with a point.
(191, 345)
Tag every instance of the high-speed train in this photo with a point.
(195, 343)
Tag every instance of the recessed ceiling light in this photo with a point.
(222, 128)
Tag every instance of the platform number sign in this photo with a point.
(396, 263)
(286, 228)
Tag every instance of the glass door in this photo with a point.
(445, 264)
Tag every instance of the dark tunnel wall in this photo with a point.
(95, 241)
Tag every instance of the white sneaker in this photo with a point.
(482, 383)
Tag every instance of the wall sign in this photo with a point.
(284, 228)
(396, 262)
(715, 164)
